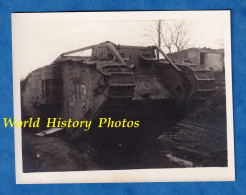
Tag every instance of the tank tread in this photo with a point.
(121, 90)
(202, 81)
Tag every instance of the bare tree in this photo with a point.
(179, 35)
(170, 35)
(166, 35)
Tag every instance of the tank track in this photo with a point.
(121, 88)
(201, 81)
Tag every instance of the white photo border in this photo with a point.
(134, 175)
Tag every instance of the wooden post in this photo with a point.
(159, 38)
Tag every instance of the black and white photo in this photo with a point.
(122, 97)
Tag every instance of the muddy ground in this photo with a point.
(199, 140)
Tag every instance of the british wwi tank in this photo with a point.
(116, 81)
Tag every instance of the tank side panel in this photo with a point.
(33, 85)
(28, 95)
(150, 89)
(84, 91)
(34, 103)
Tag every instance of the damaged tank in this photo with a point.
(112, 80)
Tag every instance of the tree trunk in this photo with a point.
(159, 37)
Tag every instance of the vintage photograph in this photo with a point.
(122, 96)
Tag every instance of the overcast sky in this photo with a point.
(39, 39)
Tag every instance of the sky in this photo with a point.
(39, 38)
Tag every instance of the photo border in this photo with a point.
(137, 175)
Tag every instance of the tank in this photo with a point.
(116, 81)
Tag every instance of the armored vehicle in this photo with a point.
(115, 80)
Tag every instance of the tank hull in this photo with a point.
(117, 82)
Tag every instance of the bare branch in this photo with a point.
(180, 35)
(172, 35)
